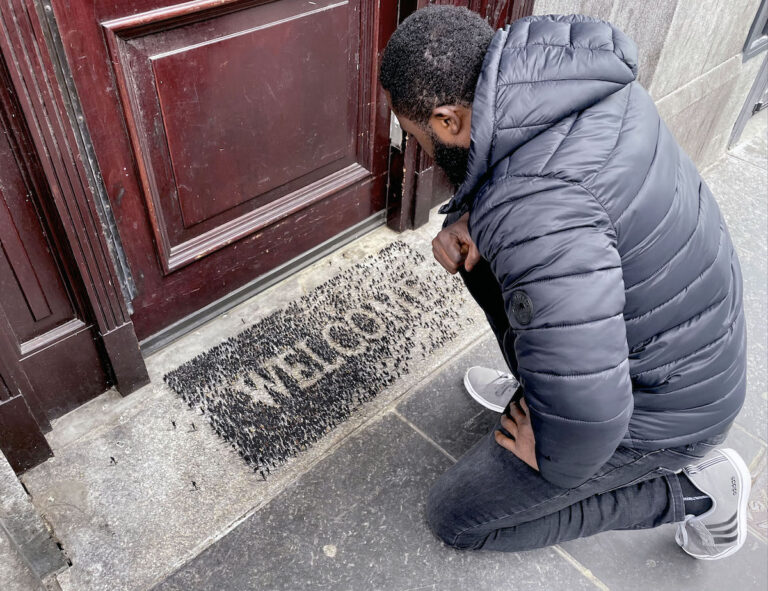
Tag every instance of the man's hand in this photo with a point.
(523, 444)
(453, 247)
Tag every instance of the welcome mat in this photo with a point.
(280, 385)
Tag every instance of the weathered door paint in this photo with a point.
(232, 135)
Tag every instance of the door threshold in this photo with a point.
(168, 335)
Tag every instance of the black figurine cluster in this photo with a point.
(280, 385)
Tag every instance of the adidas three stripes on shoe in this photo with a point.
(722, 530)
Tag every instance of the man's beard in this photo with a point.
(452, 159)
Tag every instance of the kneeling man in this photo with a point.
(606, 272)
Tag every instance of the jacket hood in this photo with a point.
(536, 72)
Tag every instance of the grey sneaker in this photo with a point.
(490, 387)
(721, 531)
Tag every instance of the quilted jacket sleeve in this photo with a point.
(552, 247)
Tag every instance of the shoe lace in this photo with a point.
(501, 385)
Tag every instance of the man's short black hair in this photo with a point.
(434, 58)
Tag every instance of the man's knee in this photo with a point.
(446, 516)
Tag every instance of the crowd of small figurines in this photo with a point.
(343, 342)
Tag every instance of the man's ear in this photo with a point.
(452, 123)
(446, 120)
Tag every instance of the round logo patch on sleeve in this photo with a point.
(522, 307)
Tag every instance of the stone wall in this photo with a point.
(690, 61)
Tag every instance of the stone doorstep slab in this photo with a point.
(129, 523)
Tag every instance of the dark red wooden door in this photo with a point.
(232, 135)
(48, 347)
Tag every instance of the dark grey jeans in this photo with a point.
(492, 500)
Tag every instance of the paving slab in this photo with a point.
(442, 410)
(356, 521)
(630, 560)
(651, 559)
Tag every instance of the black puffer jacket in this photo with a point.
(620, 282)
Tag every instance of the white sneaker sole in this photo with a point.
(745, 487)
(479, 399)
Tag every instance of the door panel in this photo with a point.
(47, 334)
(253, 132)
(27, 270)
(206, 153)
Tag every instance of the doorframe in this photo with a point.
(22, 419)
(39, 79)
(415, 184)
